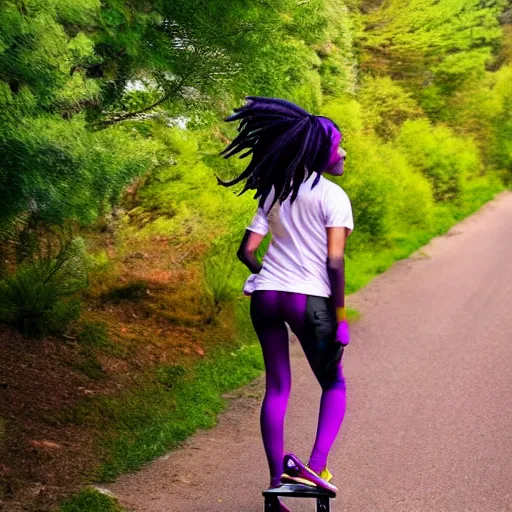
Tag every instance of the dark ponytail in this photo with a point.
(286, 145)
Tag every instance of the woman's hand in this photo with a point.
(250, 284)
(343, 333)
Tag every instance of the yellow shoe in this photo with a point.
(295, 471)
(325, 474)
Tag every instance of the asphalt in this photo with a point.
(429, 376)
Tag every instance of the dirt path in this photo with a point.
(429, 422)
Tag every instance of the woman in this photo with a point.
(301, 281)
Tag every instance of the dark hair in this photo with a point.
(287, 145)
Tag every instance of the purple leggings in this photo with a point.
(269, 311)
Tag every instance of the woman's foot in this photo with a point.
(295, 471)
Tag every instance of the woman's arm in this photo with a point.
(246, 252)
(336, 240)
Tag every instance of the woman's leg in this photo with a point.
(333, 401)
(332, 412)
(273, 335)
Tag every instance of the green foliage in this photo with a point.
(60, 171)
(90, 367)
(183, 199)
(37, 54)
(90, 500)
(445, 159)
(438, 43)
(93, 337)
(386, 106)
(484, 109)
(38, 298)
(170, 375)
(386, 192)
(218, 270)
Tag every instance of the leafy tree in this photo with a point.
(386, 106)
(445, 159)
(434, 46)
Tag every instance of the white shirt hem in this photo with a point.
(305, 290)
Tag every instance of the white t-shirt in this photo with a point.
(297, 255)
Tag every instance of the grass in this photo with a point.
(90, 367)
(90, 500)
(163, 411)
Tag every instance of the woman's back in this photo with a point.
(297, 255)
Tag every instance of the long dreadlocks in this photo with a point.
(287, 145)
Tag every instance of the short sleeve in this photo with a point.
(338, 209)
(259, 223)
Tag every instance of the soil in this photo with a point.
(41, 457)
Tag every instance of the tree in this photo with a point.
(432, 46)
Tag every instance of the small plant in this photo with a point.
(91, 368)
(218, 268)
(38, 297)
(93, 335)
(90, 500)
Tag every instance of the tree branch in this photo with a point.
(129, 115)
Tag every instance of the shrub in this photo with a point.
(170, 375)
(445, 159)
(38, 297)
(386, 106)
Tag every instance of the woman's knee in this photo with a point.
(278, 385)
(332, 380)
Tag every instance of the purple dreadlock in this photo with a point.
(287, 145)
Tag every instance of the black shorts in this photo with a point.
(325, 352)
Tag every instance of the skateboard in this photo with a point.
(322, 496)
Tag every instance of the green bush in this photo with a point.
(386, 106)
(370, 186)
(445, 159)
(170, 375)
(38, 298)
(387, 193)
(412, 204)
(347, 112)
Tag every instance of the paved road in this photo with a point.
(429, 422)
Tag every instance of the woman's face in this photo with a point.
(336, 164)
